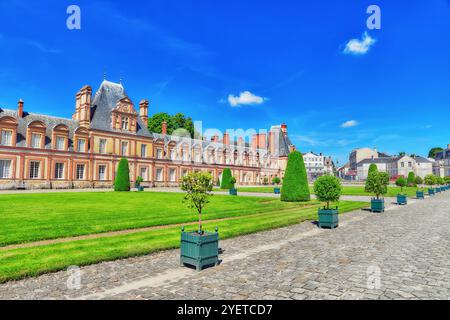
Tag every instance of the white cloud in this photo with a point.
(349, 124)
(359, 47)
(245, 98)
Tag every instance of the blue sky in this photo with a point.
(245, 64)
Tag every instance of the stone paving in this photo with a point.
(400, 254)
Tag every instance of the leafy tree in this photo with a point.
(122, 181)
(372, 168)
(419, 180)
(139, 180)
(198, 187)
(176, 124)
(295, 183)
(402, 154)
(433, 151)
(226, 179)
(232, 181)
(276, 180)
(401, 182)
(411, 180)
(327, 189)
(430, 180)
(440, 181)
(377, 183)
(447, 179)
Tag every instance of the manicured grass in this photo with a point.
(23, 262)
(33, 217)
(346, 190)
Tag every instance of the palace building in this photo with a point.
(40, 151)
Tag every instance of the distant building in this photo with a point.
(441, 165)
(358, 155)
(314, 164)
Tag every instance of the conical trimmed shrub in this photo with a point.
(122, 181)
(372, 168)
(226, 179)
(295, 183)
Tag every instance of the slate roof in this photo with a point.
(104, 101)
(377, 160)
(49, 121)
(420, 159)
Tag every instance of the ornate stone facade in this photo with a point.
(38, 151)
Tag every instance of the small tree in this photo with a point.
(401, 182)
(430, 180)
(226, 179)
(198, 187)
(295, 183)
(440, 181)
(327, 189)
(232, 182)
(276, 180)
(138, 181)
(411, 182)
(122, 181)
(447, 180)
(377, 183)
(419, 181)
(372, 168)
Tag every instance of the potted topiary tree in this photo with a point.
(198, 248)
(440, 181)
(233, 190)
(430, 181)
(377, 184)
(122, 181)
(295, 186)
(276, 181)
(328, 189)
(420, 194)
(447, 181)
(138, 182)
(372, 168)
(401, 198)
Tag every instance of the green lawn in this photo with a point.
(346, 190)
(32, 217)
(85, 213)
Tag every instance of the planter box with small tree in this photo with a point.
(430, 181)
(138, 182)
(328, 189)
(198, 248)
(377, 184)
(401, 198)
(276, 181)
(420, 194)
(233, 190)
(441, 182)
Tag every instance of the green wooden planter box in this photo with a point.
(438, 190)
(328, 218)
(402, 199)
(377, 205)
(199, 250)
(420, 195)
(140, 188)
(233, 192)
(276, 190)
(431, 192)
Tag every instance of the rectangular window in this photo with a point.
(34, 169)
(102, 172)
(60, 143)
(59, 170)
(102, 146)
(159, 174)
(124, 148)
(6, 138)
(158, 153)
(143, 173)
(5, 169)
(125, 122)
(81, 145)
(403, 164)
(80, 172)
(143, 150)
(172, 175)
(35, 140)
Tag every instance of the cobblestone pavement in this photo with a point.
(400, 254)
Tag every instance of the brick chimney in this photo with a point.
(254, 144)
(262, 141)
(284, 129)
(164, 127)
(272, 143)
(226, 139)
(143, 111)
(20, 108)
(83, 106)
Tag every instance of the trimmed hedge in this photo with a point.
(122, 181)
(226, 179)
(295, 182)
(411, 182)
